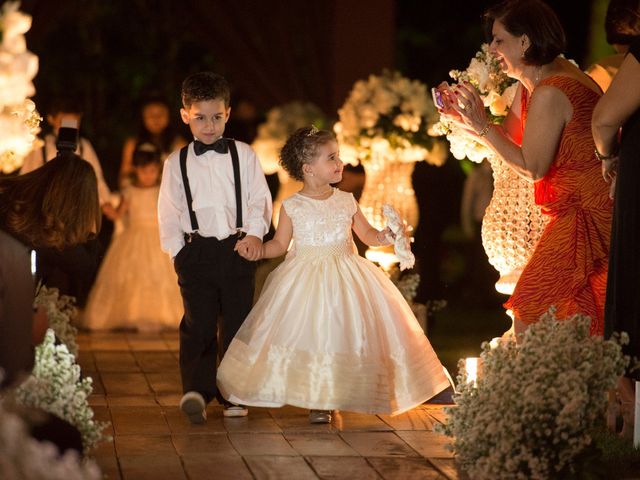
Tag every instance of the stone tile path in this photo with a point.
(137, 389)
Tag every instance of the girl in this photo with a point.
(154, 129)
(330, 330)
(136, 286)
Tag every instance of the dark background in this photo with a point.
(110, 53)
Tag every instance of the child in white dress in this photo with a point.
(137, 286)
(330, 331)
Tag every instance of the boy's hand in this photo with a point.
(249, 247)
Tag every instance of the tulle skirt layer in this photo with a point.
(136, 286)
(330, 331)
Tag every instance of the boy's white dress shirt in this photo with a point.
(214, 198)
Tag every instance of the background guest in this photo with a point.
(620, 108)
(622, 19)
(154, 128)
(546, 138)
(53, 206)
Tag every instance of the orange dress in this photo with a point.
(568, 268)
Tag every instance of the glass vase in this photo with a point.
(388, 181)
(511, 226)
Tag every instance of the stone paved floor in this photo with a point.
(137, 389)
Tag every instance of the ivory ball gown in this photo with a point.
(330, 331)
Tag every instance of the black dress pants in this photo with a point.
(217, 291)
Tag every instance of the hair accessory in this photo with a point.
(313, 131)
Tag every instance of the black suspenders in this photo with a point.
(236, 180)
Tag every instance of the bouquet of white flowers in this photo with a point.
(24, 458)
(387, 113)
(532, 409)
(56, 386)
(19, 119)
(497, 92)
(60, 310)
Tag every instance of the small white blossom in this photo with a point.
(531, 411)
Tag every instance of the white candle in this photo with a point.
(471, 367)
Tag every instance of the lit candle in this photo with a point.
(471, 367)
(33, 263)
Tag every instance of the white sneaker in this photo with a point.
(232, 410)
(194, 407)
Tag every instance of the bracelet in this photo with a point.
(604, 158)
(485, 129)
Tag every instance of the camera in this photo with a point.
(437, 97)
(441, 91)
(68, 136)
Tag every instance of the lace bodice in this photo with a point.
(320, 223)
(143, 206)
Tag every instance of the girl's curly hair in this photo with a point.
(301, 148)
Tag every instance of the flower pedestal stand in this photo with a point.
(388, 181)
(511, 226)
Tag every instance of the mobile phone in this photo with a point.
(437, 97)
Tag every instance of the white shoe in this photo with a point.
(232, 410)
(194, 407)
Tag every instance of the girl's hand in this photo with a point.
(383, 236)
(249, 247)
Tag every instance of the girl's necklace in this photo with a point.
(316, 194)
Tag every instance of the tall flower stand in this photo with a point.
(512, 225)
(388, 181)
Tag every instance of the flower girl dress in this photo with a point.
(136, 286)
(330, 331)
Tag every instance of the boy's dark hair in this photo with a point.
(535, 19)
(145, 154)
(622, 23)
(205, 86)
(302, 147)
(65, 105)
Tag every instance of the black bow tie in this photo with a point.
(219, 146)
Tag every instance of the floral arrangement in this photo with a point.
(389, 115)
(497, 92)
(60, 310)
(281, 122)
(19, 119)
(24, 458)
(407, 283)
(56, 386)
(532, 410)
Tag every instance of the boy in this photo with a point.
(214, 202)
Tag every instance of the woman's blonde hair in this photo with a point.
(55, 205)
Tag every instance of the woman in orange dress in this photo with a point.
(546, 139)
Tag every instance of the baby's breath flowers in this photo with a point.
(533, 408)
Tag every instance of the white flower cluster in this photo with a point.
(24, 458)
(60, 310)
(497, 92)
(533, 406)
(56, 386)
(19, 119)
(281, 122)
(407, 283)
(387, 115)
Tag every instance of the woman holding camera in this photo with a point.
(546, 138)
(55, 206)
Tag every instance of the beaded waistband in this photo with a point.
(309, 251)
